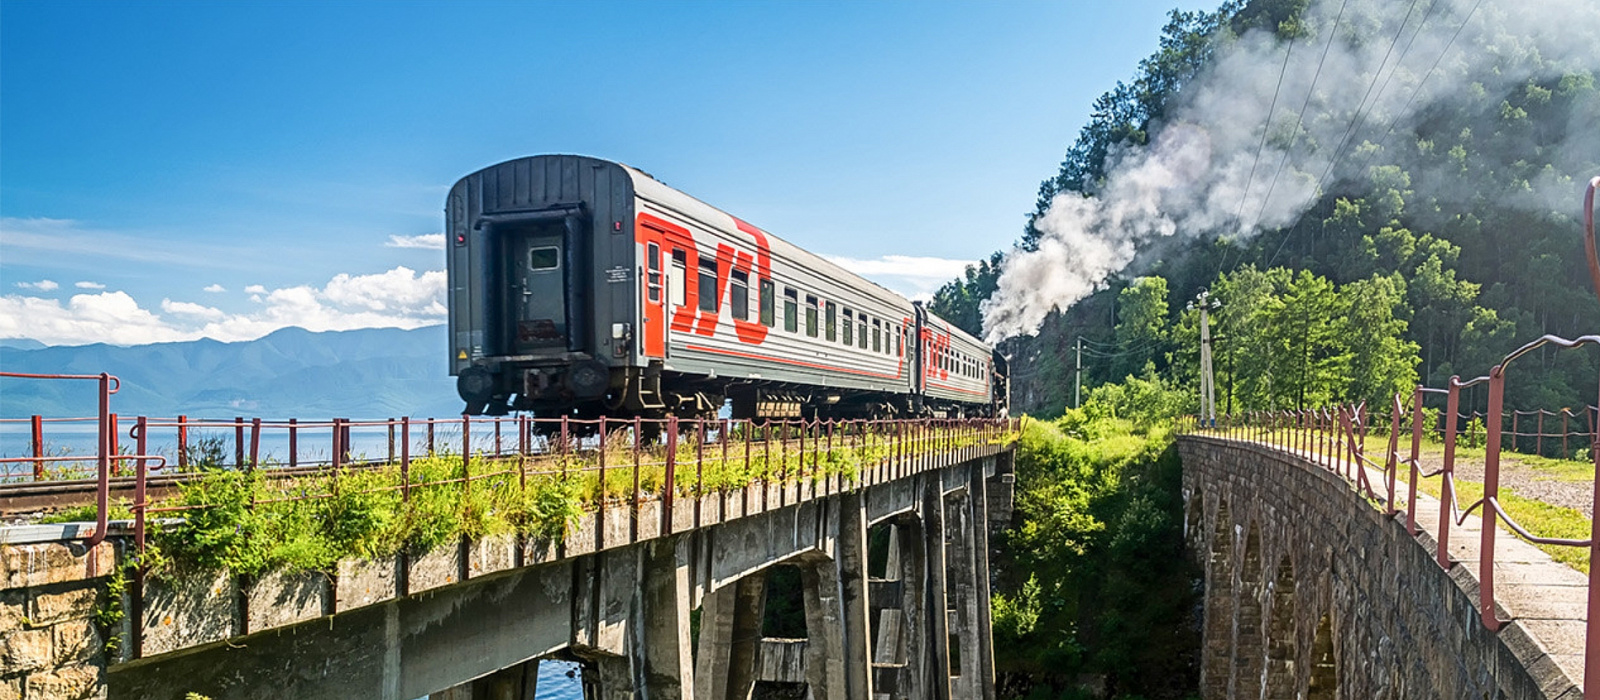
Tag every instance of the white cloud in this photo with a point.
(215, 288)
(398, 298)
(41, 285)
(255, 289)
(429, 241)
(192, 310)
(89, 285)
(915, 277)
(112, 317)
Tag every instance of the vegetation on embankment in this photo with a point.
(249, 522)
(1096, 596)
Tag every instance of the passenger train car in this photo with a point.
(587, 287)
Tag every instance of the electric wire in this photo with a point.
(1383, 141)
(1415, 91)
(1300, 118)
(1360, 116)
(1266, 128)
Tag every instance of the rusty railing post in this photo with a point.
(37, 424)
(238, 442)
(1491, 495)
(1447, 475)
(294, 443)
(405, 459)
(183, 443)
(669, 483)
(1416, 451)
(255, 443)
(103, 490)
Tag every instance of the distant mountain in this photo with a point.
(21, 343)
(292, 373)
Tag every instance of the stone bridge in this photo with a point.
(1312, 592)
(652, 601)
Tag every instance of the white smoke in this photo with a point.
(1200, 174)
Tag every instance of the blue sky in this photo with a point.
(177, 170)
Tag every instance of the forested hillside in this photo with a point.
(1377, 193)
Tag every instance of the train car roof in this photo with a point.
(649, 187)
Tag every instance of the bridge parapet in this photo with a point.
(1312, 592)
(1541, 628)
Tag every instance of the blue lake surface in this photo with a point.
(554, 684)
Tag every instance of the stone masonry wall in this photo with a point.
(1313, 593)
(50, 646)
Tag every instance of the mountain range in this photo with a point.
(291, 373)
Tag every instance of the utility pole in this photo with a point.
(1208, 397)
(1077, 377)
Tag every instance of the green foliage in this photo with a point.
(1101, 585)
(254, 522)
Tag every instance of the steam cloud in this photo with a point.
(1195, 177)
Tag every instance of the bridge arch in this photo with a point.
(1248, 652)
(1323, 683)
(1217, 635)
(1281, 638)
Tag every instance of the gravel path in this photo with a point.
(1524, 481)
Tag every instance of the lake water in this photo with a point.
(556, 684)
(312, 444)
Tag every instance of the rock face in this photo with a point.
(51, 645)
(1314, 593)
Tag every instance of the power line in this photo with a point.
(1266, 127)
(1300, 119)
(1415, 91)
(1384, 140)
(1360, 117)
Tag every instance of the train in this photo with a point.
(584, 287)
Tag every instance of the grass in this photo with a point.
(247, 522)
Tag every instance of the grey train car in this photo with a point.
(579, 286)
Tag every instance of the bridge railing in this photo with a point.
(1335, 438)
(534, 475)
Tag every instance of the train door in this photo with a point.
(536, 263)
(654, 333)
(920, 357)
(665, 247)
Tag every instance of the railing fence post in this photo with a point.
(255, 443)
(1447, 475)
(38, 447)
(183, 443)
(1416, 449)
(1491, 494)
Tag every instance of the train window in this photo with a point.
(900, 342)
(768, 317)
(791, 311)
(739, 294)
(708, 285)
(653, 262)
(679, 273)
(862, 326)
(877, 337)
(811, 315)
(849, 328)
(544, 258)
(831, 321)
